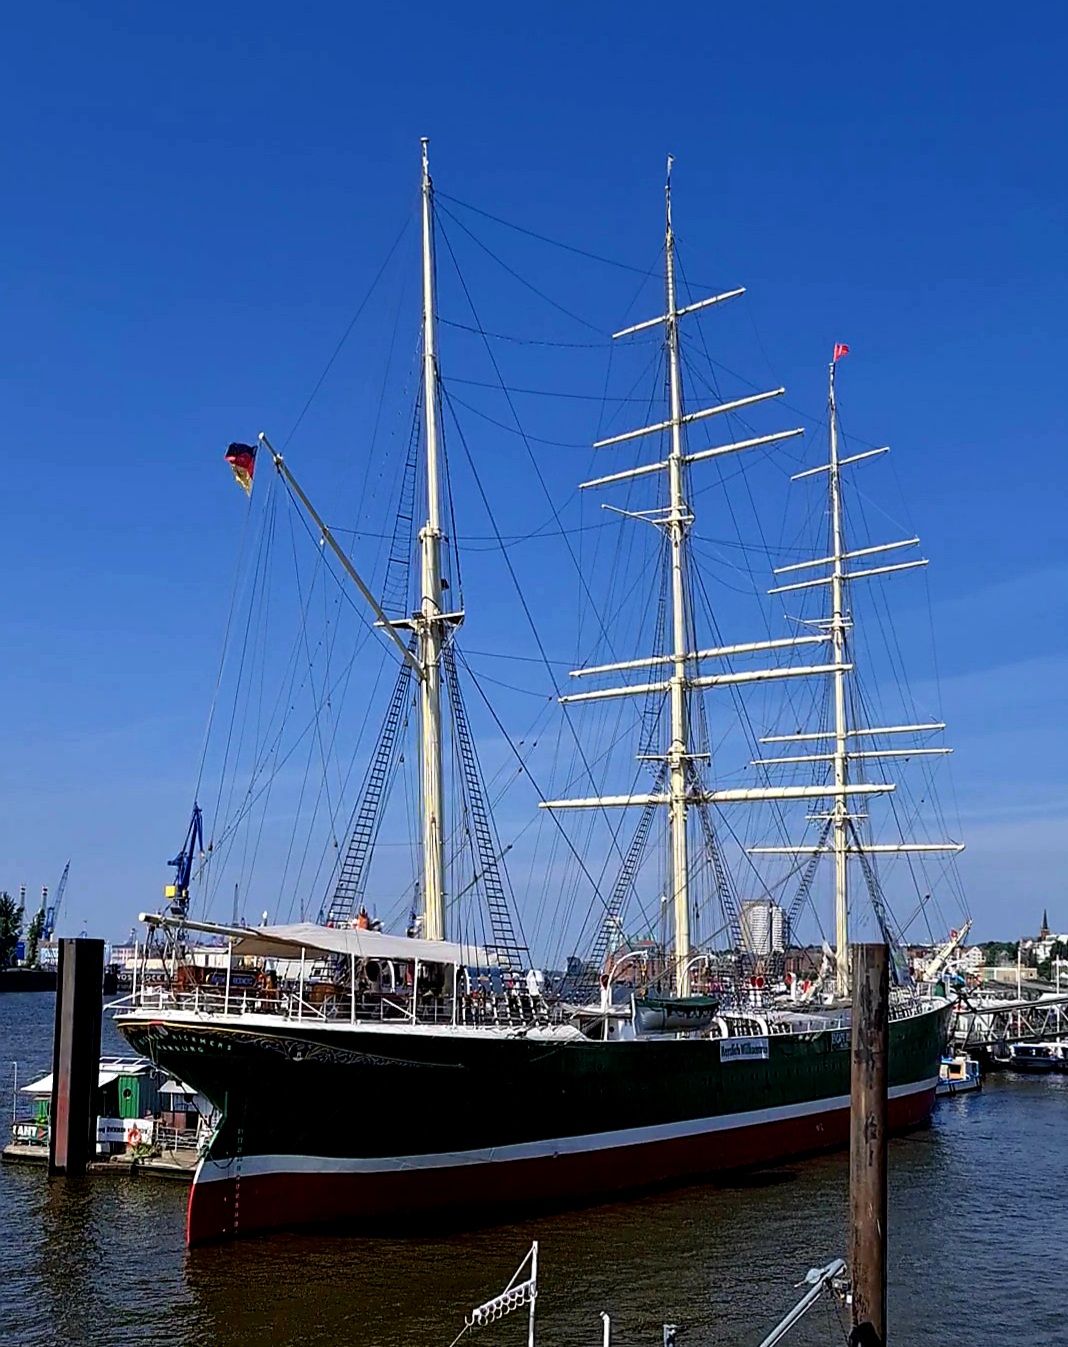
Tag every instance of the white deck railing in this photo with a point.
(341, 1007)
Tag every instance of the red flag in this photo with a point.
(242, 458)
(840, 349)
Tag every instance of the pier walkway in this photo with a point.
(177, 1164)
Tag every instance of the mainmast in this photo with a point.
(682, 664)
(677, 523)
(430, 622)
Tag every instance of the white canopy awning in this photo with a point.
(287, 942)
(44, 1085)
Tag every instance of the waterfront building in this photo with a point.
(765, 927)
(971, 961)
(1008, 972)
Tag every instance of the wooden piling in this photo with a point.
(867, 1142)
(76, 1056)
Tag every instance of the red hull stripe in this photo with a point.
(259, 1193)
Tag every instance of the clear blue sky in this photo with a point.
(197, 198)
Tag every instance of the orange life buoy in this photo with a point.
(133, 1137)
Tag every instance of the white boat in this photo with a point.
(1033, 1058)
(959, 1075)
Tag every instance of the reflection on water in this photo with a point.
(979, 1233)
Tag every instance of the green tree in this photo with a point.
(10, 928)
(33, 936)
(998, 952)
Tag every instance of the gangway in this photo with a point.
(983, 1022)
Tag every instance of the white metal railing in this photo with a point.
(291, 1005)
(502, 1009)
(505, 1009)
(175, 1140)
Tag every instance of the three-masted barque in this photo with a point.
(438, 1078)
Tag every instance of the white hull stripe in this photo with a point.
(250, 1166)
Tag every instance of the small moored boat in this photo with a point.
(1035, 1058)
(958, 1075)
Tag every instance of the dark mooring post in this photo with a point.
(76, 1055)
(867, 1142)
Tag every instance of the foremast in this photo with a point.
(675, 519)
(846, 838)
(430, 622)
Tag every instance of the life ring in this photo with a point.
(133, 1137)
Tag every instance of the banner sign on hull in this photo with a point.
(743, 1050)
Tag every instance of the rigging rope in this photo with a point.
(346, 334)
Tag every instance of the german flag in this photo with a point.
(242, 458)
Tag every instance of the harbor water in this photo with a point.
(978, 1249)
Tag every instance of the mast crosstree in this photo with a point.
(684, 787)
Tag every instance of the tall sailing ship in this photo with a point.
(368, 1077)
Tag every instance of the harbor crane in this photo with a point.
(51, 910)
(178, 892)
(942, 955)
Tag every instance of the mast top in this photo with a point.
(667, 191)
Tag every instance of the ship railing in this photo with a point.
(904, 1007)
(508, 1009)
(512, 1009)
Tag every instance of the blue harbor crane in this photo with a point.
(178, 892)
(51, 910)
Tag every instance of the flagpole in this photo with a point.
(331, 541)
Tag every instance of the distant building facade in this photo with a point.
(765, 928)
(971, 960)
(1008, 973)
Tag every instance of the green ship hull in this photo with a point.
(375, 1124)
